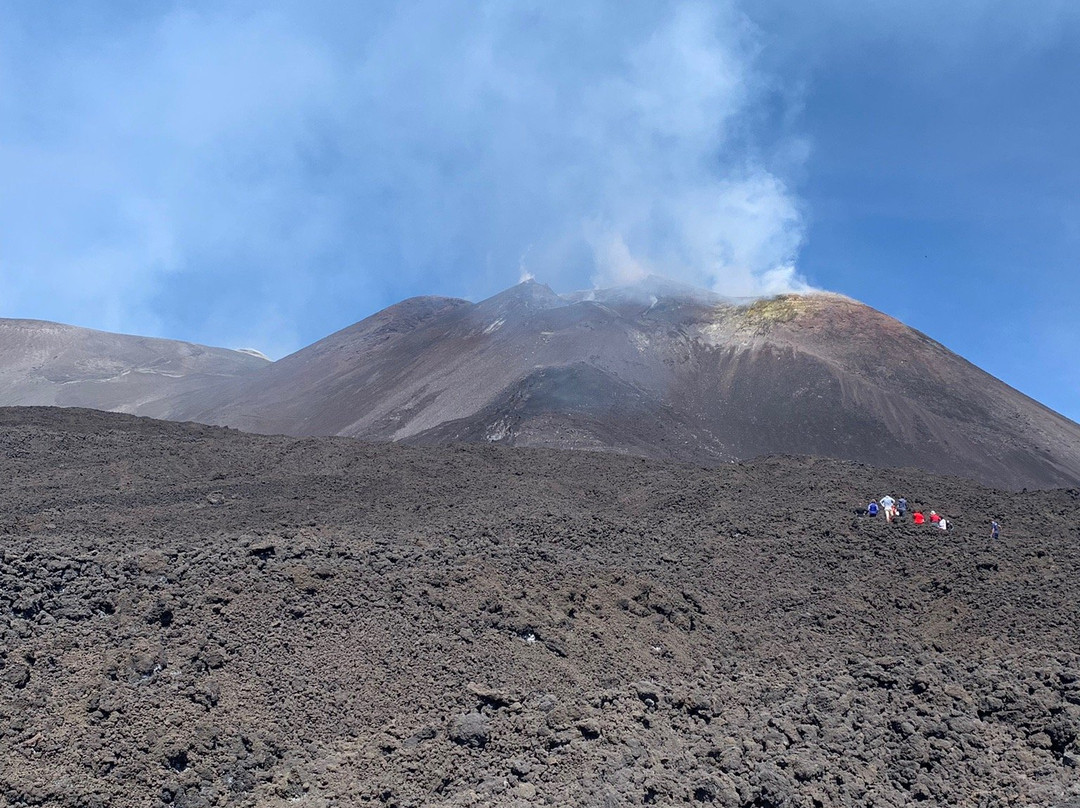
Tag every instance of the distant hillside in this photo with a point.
(45, 363)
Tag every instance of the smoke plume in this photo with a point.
(228, 171)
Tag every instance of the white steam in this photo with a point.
(236, 172)
(684, 195)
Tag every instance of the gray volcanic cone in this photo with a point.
(663, 371)
(45, 363)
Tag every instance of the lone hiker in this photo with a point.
(995, 530)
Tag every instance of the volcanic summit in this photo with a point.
(663, 371)
(654, 369)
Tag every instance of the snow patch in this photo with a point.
(253, 352)
(495, 325)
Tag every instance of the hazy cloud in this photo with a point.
(208, 169)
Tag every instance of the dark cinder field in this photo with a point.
(193, 616)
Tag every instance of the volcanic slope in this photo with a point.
(192, 616)
(663, 371)
(44, 363)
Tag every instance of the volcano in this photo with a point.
(655, 369)
(658, 370)
(196, 616)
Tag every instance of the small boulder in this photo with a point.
(17, 675)
(470, 729)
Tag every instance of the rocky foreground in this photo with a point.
(191, 616)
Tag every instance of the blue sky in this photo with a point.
(263, 173)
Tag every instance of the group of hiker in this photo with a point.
(896, 510)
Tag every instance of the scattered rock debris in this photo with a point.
(353, 628)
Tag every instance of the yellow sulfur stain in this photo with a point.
(759, 317)
(778, 309)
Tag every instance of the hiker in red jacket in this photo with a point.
(918, 518)
(934, 517)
